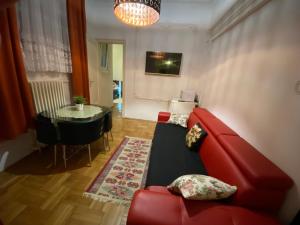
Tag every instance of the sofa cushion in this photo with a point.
(178, 119)
(148, 208)
(260, 171)
(170, 157)
(201, 187)
(194, 137)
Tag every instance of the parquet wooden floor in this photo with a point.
(34, 192)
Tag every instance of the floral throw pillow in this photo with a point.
(201, 187)
(194, 137)
(179, 119)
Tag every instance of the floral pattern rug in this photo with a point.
(123, 174)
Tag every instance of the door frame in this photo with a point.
(123, 42)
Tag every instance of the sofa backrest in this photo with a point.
(216, 126)
(228, 157)
(258, 169)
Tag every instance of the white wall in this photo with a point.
(250, 85)
(17, 148)
(219, 8)
(146, 95)
(117, 61)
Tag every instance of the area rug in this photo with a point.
(124, 173)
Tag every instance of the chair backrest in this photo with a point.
(108, 121)
(46, 132)
(80, 132)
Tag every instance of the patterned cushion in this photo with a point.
(194, 137)
(201, 187)
(179, 119)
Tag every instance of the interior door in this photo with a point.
(100, 72)
(105, 79)
(93, 67)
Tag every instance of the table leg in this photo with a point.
(64, 155)
(90, 156)
(55, 153)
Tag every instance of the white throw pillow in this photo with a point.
(201, 187)
(179, 119)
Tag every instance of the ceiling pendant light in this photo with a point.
(137, 12)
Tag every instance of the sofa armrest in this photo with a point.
(163, 117)
(156, 208)
(148, 208)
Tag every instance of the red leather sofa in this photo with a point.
(262, 186)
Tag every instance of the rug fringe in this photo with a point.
(145, 139)
(105, 200)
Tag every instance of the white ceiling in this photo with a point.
(198, 13)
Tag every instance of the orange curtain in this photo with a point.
(16, 104)
(6, 3)
(77, 36)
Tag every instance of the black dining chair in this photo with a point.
(46, 132)
(80, 133)
(108, 126)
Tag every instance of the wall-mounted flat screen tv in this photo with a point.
(163, 63)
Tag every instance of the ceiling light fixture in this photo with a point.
(137, 12)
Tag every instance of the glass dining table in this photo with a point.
(71, 114)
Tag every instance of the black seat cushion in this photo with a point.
(170, 158)
(80, 132)
(46, 132)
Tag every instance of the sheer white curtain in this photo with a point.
(44, 35)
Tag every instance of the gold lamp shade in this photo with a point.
(137, 12)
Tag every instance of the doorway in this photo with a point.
(106, 73)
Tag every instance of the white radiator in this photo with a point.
(48, 95)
